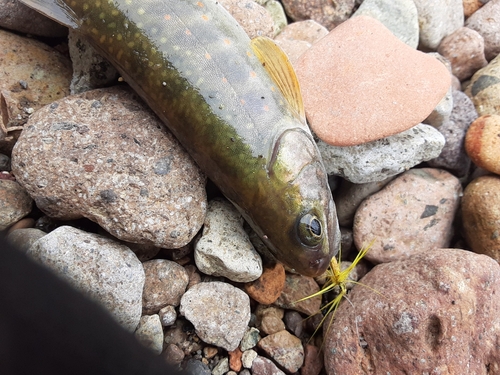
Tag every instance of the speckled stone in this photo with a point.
(413, 213)
(486, 21)
(482, 142)
(102, 155)
(484, 89)
(15, 203)
(263, 366)
(253, 18)
(481, 215)
(377, 86)
(309, 31)
(296, 288)
(285, 349)
(268, 287)
(325, 12)
(23, 238)
(149, 332)
(434, 314)
(464, 48)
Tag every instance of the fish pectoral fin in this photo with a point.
(54, 9)
(276, 62)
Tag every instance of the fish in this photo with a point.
(232, 102)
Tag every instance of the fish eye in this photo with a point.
(310, 231)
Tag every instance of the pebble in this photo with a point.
(470, 6)
(99, 267)
(263, 366)
(464, 48)
(380, 159)
(23, 238)
(174, 355)
(400, 17)
(224, 248)
(437, 19)
(325, 12)
(4, 163)
(253, 18)
(308, 31)
(270, 322)
(486, 21)
(484, 89)
(196, 367)
(431, 309)
(285, 349)
(219, 312)
(165, 283)
(313, 360)
(93, 161)
(250, 339)
(453, 156)
(361, 90)
(13, 15)
(149, 332)
(268, 287)
(482, 143)
(276, 12)
(235, 363)
(15, 203)
(247, 358)
(222, 367)
(167, 315)
(32, 75)
(411, 214)
(296, 288)
(481, 215)
(294, 323)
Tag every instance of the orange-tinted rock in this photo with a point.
(481, 215)
(235, 360)
(482, 142)
(360, 83)
(268, 287)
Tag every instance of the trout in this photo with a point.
(232, 102)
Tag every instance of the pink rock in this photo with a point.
(486, 21)
(360, 83)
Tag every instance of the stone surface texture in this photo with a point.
(486, 21)
(268, 287)
(15, 203)
(411, 214)
(378, 86)
(482, 142)
(219, 312)
(100, 268)
(285, 349)
(103, 156)
(253, 18)
(434, 314)
(296, 288)
(149, 332)
(327, 13)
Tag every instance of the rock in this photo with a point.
(93, 161)
(222, 367)
(247, 358)
(437, 19)
(277, 13)
(484, 89)
(32, 75)
(486, 21)
(149, 332)
(268, 287)
(294, 323)
(264, 366)
(219, 312)
(253, 18)
(270, 322)
(470, 6)
(296, 288)
(194, 366)
(378, 160)
(308, 31)
(250, 339)
(482, 142)
(15, 203)
(100, 268)
(167, 315)
(400, 17)
(442, 111)
(327, 13)
(22, 239)
(224, 248)
(4, 163)
(285, 349)
(174, 355)
(481, 215)
(293, 49)
(436, 315)
(349, 196)
(411, 214)
(235, 360)
(464, 48)
(313, 361)
(14, 15)
(361, 90)
(166, 282)
(453, 156)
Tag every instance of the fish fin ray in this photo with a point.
(276, 63)
(57, 10)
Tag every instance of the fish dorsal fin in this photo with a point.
(276, 62)
(54, 9)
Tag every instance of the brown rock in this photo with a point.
(313, 361)
(264, 366)
(285, 349)
(486, 21)
(27, 222)
(296, 288)
(235, 360)
(470, 6)
(165, 284)
(437, 313)
(268, 287)
(411, 214)
(375, 87)
(481, 215)
(173, 355)
(464, 48)
(253, 18)
(482, 142)
(15, 203)
(325, 12)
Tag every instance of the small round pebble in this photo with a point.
(482, 142)
(247, 358)
(168, 315)
(325, 12)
